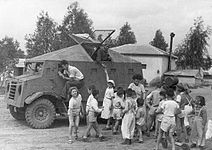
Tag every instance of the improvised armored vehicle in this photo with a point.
(35, 95)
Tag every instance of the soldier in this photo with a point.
(72, 75)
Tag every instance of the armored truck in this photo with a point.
(35, 96)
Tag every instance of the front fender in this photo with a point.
(32, 97)
(36, 95)
(58, 103)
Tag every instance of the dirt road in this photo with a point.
(17, 135)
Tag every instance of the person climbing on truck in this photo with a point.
(72, 75)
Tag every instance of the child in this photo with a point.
(170, 109)
(182, 100)
(74, 110)
(153, 102)
(92, 116)
(107, 101)
(118, 105)
(90, 90)
(140, 118)
(199, 123)
(128, 122)
(137, 86)
(159, 115)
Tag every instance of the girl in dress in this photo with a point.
(74, 110)
(128, 121)
(199, 123)
(107, 101)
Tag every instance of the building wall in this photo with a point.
(165, 64)
(155, 65)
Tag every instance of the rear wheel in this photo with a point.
(40, 114)
(17, 113)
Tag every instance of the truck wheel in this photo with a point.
(17, 113)
(40, 114)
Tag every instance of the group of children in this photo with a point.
(169, 111)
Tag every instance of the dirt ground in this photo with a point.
(17, 135)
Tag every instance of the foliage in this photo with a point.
(76, 21)
(159, 41)
(44, 39)
(192, 52)
(9, 51)
(126, 36)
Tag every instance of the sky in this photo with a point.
(19, 17)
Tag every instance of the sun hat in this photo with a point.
(111, 81)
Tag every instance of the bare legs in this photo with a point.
(73, 122)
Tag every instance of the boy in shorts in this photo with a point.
(92, 116)
(170, 109)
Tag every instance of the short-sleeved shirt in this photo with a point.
(93, 105)
(88, 102)
(75, 104)
(169, 108)
(160, 115)
(74, 72)
(139, 89)
(109, 93)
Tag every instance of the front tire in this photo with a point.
(40, 114)
(17, 113)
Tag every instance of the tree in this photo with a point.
(159, 41)
(192, 52)
(126, 36)
(44, 39)
(9, 51)
(207, 63)
(76, 21)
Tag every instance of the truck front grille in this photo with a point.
(12, 90)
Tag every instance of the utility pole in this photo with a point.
(170, 51)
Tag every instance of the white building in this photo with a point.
(156, 60)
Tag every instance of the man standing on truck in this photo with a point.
(72, 75)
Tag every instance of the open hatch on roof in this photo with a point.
(94, 44)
